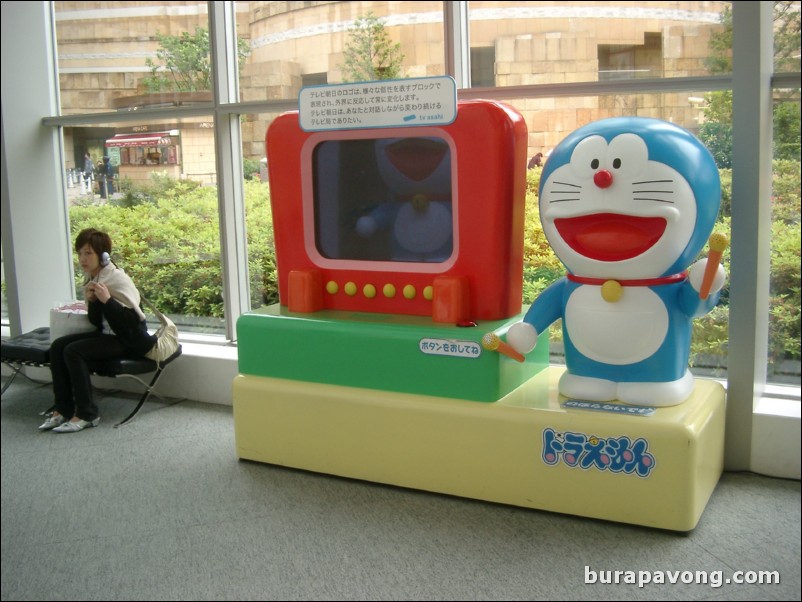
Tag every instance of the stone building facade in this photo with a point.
(103, 46)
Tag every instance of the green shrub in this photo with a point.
(168, 243)
(784, 301)
(250, 169)
(261, 250)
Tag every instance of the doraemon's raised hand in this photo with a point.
(696, 276)
(711, 278)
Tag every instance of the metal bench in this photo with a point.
(33, 349)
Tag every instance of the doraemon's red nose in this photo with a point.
(603, 178)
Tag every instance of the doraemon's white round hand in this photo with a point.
(365, 226)
(697, 272)
(522, 337)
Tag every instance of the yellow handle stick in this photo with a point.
(492, 342)
(718, 242)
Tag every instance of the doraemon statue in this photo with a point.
(416, 215)
(626, 204)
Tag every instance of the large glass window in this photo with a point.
(106, 64)
(262, 275)
(784, 292)
(317, 43)
(158, 202)
(132, 55)
(572, 43)
(158, 198)
(563, 42)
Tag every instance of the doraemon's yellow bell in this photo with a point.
(611, 291)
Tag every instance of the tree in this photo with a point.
(786, 36)
(185, 62)
(716, 132)
(370, 54)
(786, 39)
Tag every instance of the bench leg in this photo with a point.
(145, 395)
(16, 370)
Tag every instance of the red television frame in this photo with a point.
(481, 278)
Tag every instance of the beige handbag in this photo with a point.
(166, 337)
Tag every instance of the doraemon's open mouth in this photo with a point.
(610, 236)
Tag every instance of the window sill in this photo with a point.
(776, 435)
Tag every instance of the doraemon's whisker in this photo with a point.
(655, 200)
(653, 192)
(568, 184)
(562, 200)
(651, 182)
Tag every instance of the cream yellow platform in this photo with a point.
(531, 449)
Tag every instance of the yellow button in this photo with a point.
(332, 287)
(409, 291)
(350, 289)
(428, 293)
(369, 291)
(389, 291)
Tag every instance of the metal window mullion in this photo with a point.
(457, 42)
(753, 47)
(228, 157)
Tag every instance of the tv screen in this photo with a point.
(383, 199)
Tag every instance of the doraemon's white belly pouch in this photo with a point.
(624, 332)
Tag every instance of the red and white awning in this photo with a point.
(141, 139)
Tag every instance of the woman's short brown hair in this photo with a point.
(99, 241)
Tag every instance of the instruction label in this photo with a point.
(454, 348)
(379, 104)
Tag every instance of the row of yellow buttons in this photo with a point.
(369, 290)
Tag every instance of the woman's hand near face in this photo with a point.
(89, 292)
(101, 292)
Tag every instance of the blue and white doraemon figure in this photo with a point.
(626, 204)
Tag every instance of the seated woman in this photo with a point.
(113, 303)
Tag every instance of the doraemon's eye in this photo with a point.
(628, 154)
(588, 157)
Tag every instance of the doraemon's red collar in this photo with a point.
(640, 282)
